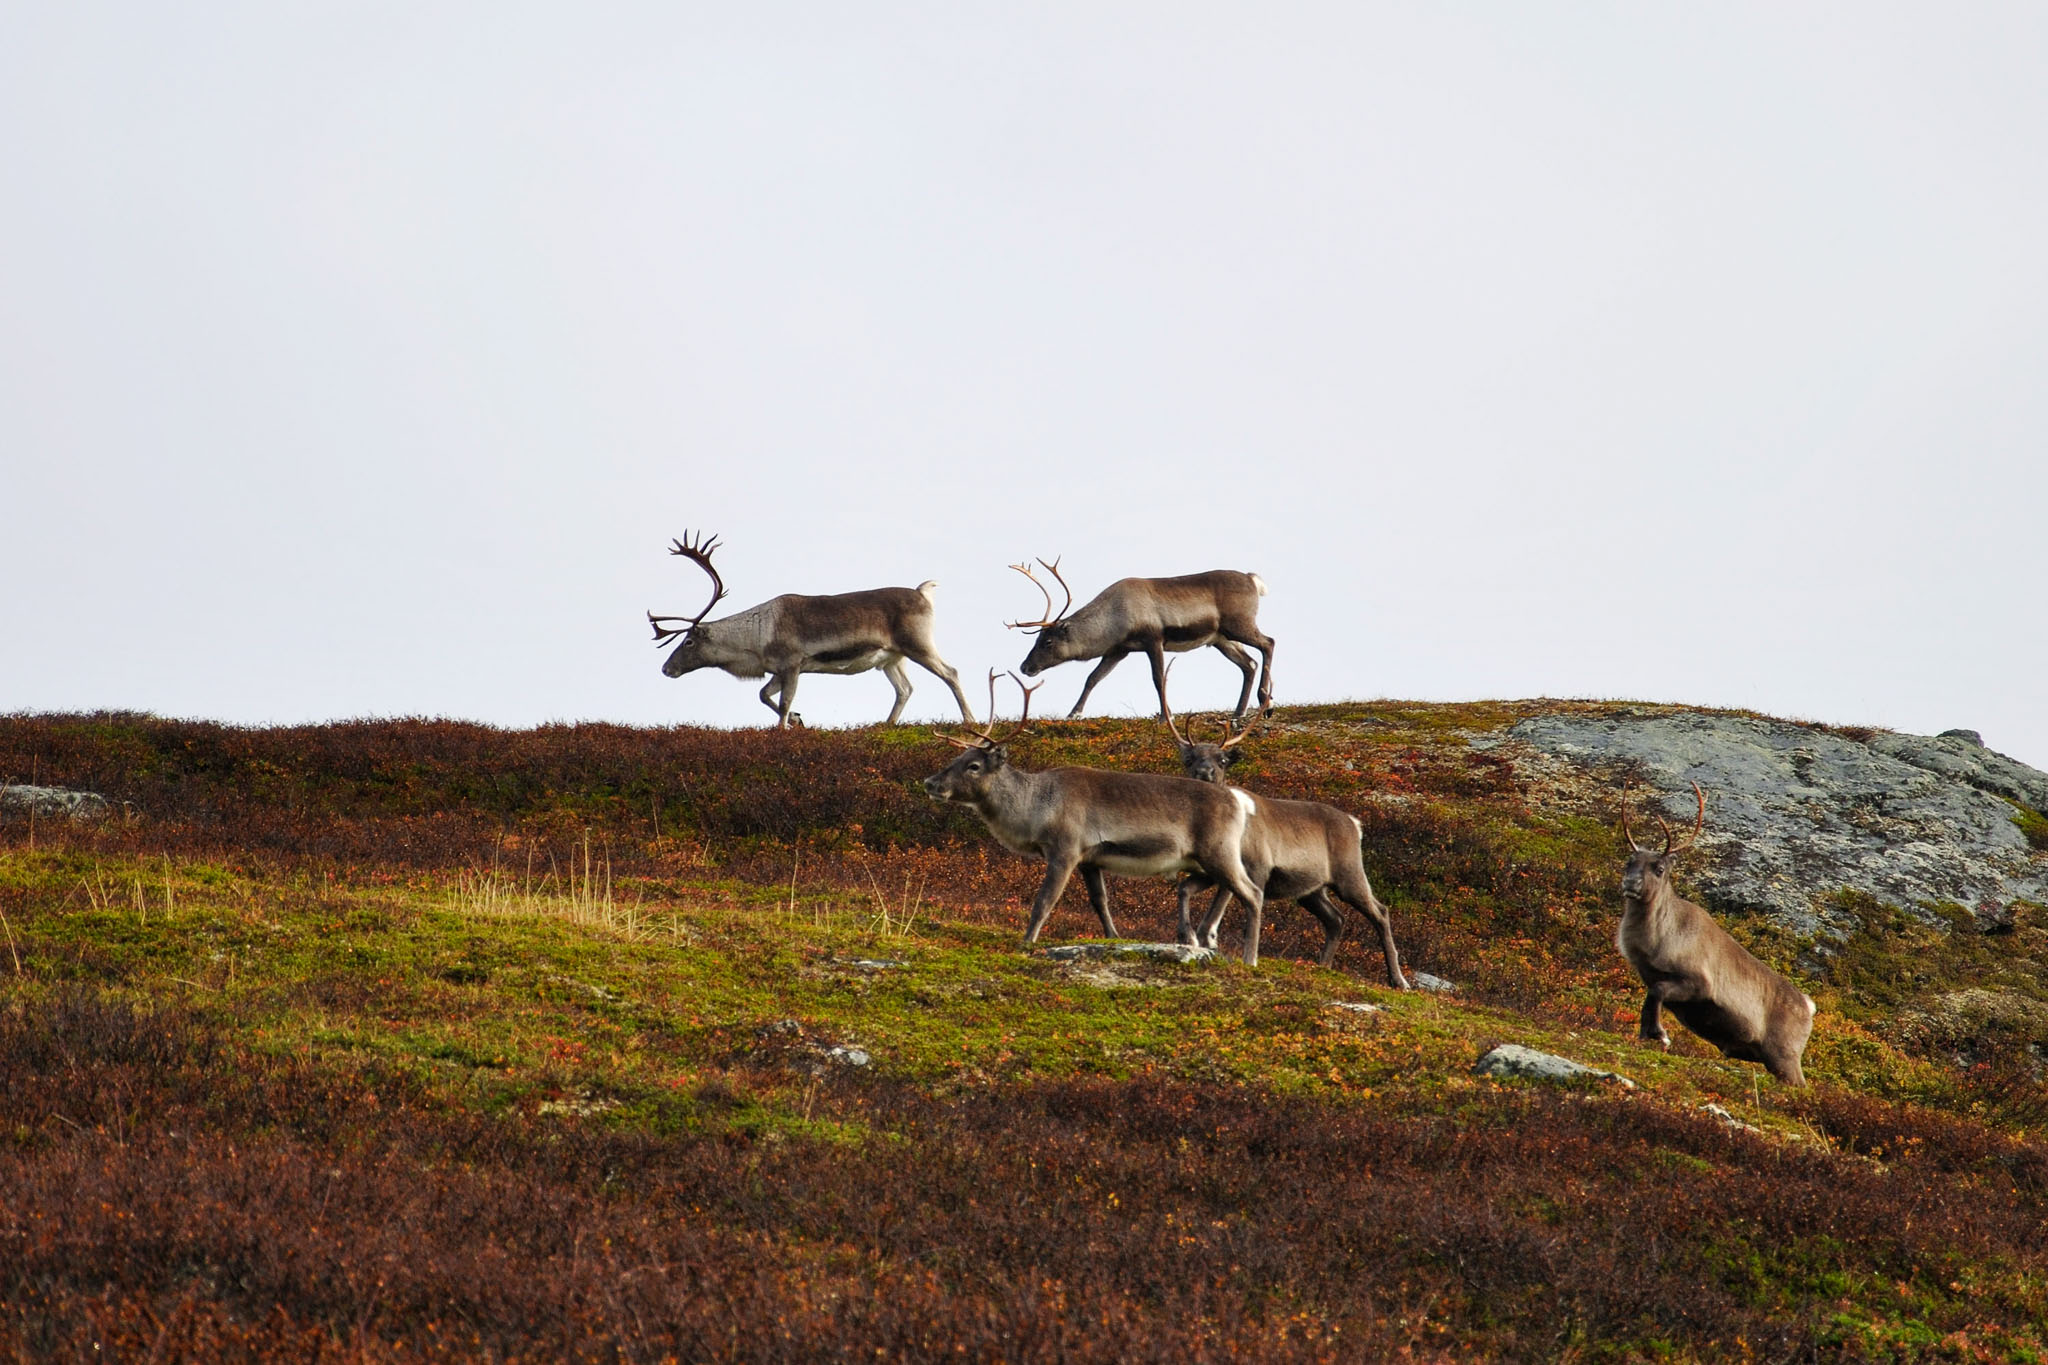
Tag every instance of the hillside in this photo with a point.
(423, 1040)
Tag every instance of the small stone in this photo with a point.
(846, 1056)
(875, 964)
(1992, 917)
(1971, 735)
(1729, 1120)
(1423, 981)
(787, 1028)
(1358, 1007)
(1512, 1059)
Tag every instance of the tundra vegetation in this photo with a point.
(420, 1040)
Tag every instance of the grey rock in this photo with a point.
(1423, 981)
(1970, 735)
(1355, 1008)
(845, 1056)
(1796, 814)
(1162, 952)
(1512, 1059)
(874, 964)
(52, 802)
(1729, 1120)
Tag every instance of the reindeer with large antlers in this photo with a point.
(1155, 617)
(1303, 851)
(787, 636)
(1689, 964)
(1094, 821)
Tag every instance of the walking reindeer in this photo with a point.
(1093, 821)
(790, 635)
(1303, 851)
(1154, 617)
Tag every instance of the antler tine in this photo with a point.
(1633, 846)
(663, 634)
(698, 552)
(1231, 741)
(1049, 618)
(1054, 569)
(1699, 823)
(988, 730)
(1178, 738)
(1024, 717)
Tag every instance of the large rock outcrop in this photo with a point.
(1797, 814)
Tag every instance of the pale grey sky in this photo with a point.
(361, 359)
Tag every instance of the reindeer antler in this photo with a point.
(1051, 618)
(985, 737)
(1166, 710)
(698, 552)
(1231, 741)
(1697, 825)
(1633, 846)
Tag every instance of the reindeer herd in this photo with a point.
(1212, 835)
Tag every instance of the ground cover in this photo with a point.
(414, 1040)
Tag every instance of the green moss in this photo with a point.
(2033, 824)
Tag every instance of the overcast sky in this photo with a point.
(361, 359)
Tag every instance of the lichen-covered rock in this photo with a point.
(51, 802)
(1162, 952)
(1526, 1063)
(1424, 981)
(1797, 814)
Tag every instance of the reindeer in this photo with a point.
(848, 632)
(1689, 963)
(1297, 850)
(1156, 616)
(1095, 821)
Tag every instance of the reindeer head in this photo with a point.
(1052, 645)
(1207, 762)
(687, 656)
(982, 755)
(1648, 874)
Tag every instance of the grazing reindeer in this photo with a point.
(1095, 821)
(1154, 616)
(1297, 850)
(1708, 980)
(848, 632)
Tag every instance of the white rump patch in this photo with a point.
(1811, 1009)
(1360, 828)
(1244, 800)
(1260, 584)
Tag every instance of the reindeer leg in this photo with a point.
(1098, 897)
(1213, 921)
(1264, 644)
(770, 694)
(1059, 870)
(899, 680)
(1651, 1029)
(1156, 652)
(1185, 893)
(1109, 661)
(1317, 903)
(785, 682)
(1245, 666)
(1360, 898)
(931, 663)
